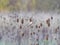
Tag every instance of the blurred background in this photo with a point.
(30, 5)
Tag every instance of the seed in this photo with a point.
(41, 24)
(30, 20)
(48, 22)
(38, 30)
(51, 17)
(22, 21)
(33, 32)
(17, 20)
(20, 27)
(36, 26)
(37, 39)
(55, 38)
(22, 34)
